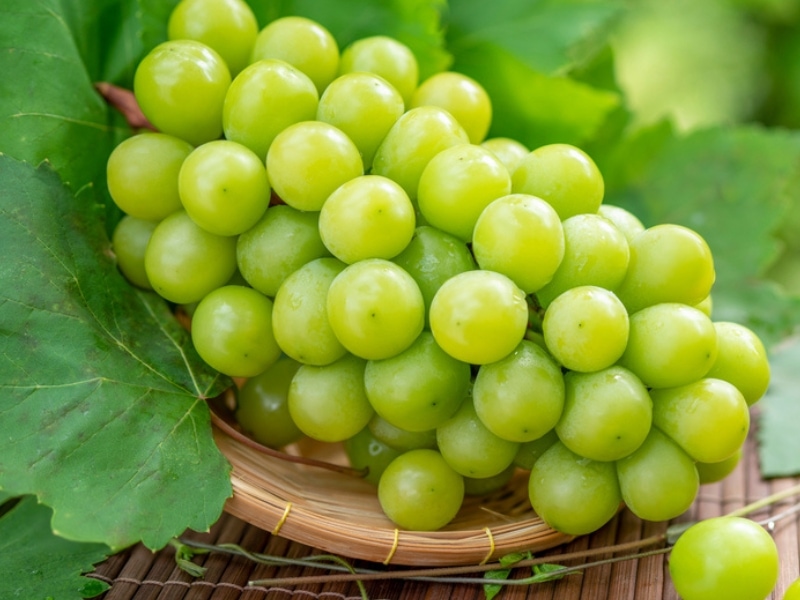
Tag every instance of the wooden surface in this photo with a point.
(139, 574)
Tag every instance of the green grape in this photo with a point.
(520, 397)
(717, 471)
(418, 389)
(706, 306)
(300, 318)
(509, 151)
(232, 331)
(628, 223)
(521, 237)
(262, 407)
(398, 438)
(281, 242)
(586, 328)
(481, 486)
(180, 86)
(431, 258)
(224, 187)
(386, 57)
(263, 100)
(708, 418)
(596, 252)
(668, 263)
(607, 414)
(742, 360)
(793, 591)
(367, 217)
(307, 161)
(375, 309)
(659, 481)
(329, 403)
(529, 452)
(457, 184)
(470, 448)
(142, 173)
(129, 242)
(724, 557)
(227, 26)
(564, 176)
(573, 494)
(414, 139)
(184, 262)
(462, 97)
(365, 451)
(420, 491)
(364, 106)
(478, 316)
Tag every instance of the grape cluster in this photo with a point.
(451, 308)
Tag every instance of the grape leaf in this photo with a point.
(38, 564)
(102, 413)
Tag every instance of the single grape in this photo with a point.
(586, 328)
(521, 237)
(521, 396)
(418, 389)
(375, 309)
(742, 360)
(529, 452)
(420, 491)
(509, 151)
(365, 451)
(232, 331)
(706, 305)
(129, 242)
(479, 316)
(142, 173)
(462, 97)
(262, 407)
(724, 557)
(329, 403)
(180, 86)
(400, 439)
(304, 44)
(629, 224)
(793, 591)
(717, 471)
(481, 486)
(564, 176)
(386, 57)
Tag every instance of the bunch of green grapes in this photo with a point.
(451, 308)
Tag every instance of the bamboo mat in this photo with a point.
(139, 574)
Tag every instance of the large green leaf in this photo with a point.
(102, 413)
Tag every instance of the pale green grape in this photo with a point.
(596, 252)
(414, 139)
(742, 360)
(478, 316)
(586, 328)
(232, 331)
(129, 242)
(668, 263)
(227, 26)
(708, 418)
(529, 452)
(375, 309)
(142, 173)
(300, 317)
(481, 486)
(365, 451)
(573, 494)
(724, 557)
(367, 217)
(509, 151)
(328, 403)
(564, 176)
(364, 106)
(263, 100)
(521, 237)
(706, 306)
(400, 439)
(470, 448)
(262, 405)
(629, 224)
(520, 397)
(607, 414)
(418, 389)
(462, 97)
(670, 345)
(184, 262)
(307, 161)
(180, 86)
(659, 480)
(304, 44)
(717, 471)
(384, 56)
(420, 491)
(793, 591)
(282, 241)
(224, 187)
(457, 184)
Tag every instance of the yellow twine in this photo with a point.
(283, 518)
(394, 547)
(491, 545)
